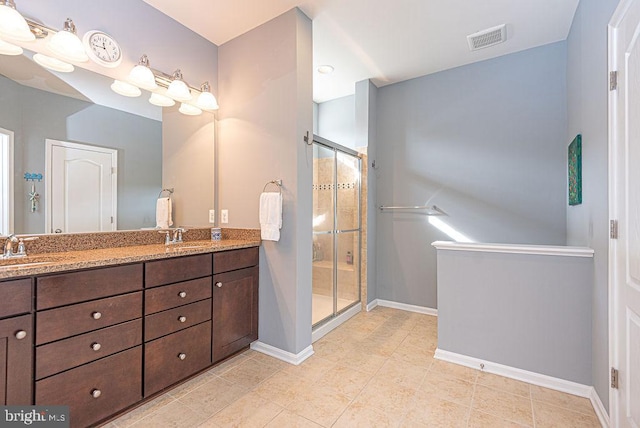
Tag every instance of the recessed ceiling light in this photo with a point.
(325, 69)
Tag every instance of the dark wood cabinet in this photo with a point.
(101, 340)
(235, 311)
(16, 360)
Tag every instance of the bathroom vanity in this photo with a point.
(103, 338)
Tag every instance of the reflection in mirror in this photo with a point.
(39, 105)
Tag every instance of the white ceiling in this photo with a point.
(386, 41)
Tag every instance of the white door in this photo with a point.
(624, 175)
(81, 187)
(6, 182)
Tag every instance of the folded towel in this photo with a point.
(270, 216)
(163, 213)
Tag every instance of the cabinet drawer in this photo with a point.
(225, 261)
(163, 323)
(117, 378)
(75, 287)
(170, 296)
(177, 269)
(61, 323)
(15, 297)
(69, 353)
(163, 365)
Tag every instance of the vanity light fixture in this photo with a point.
(53, 63)
(125, 89)
(142, 76)
(178, 90)
(161, 100)
(189, 110)
(66, 45)
(12, 23)
(7, 48)
(206, 100)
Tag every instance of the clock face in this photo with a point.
(103, 49)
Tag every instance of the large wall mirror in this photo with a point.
(38, 106)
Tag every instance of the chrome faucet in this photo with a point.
(8, 246)
(177, 235)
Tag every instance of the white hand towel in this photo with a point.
(163, 213)
(270, 216)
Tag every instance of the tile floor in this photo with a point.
(376, 370)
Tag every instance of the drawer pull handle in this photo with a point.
(96, 315)
(219, 284)
(182, 356)
(21, 334)
(95, 393)
(182, 319)
(96, 346)
(182, 294)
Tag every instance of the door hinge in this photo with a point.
(114, 170)
(613, 229)
(614, 378)
(111, 219)
(613, 80)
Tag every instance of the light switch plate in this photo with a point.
(224, 216)
(212, 216)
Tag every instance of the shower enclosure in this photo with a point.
(336, 230)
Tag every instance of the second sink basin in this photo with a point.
(28, 261)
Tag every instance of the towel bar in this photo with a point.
(276, 182)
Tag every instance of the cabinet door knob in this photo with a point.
(182, 319)
(96, 315)
(182, 356)
(182, 294)
(96, 346)
(219, 284)
(95, 393)
(21, 334)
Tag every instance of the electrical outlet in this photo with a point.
(212, 216)
(224, 216)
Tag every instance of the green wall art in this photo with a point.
(575, 171)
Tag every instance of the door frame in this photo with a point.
(615, 135)
(49, 144)
(7, 181)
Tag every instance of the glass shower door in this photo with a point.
(336, 231)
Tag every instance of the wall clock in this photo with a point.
(102, 48)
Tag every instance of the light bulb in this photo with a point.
(125, 89)
(160, 100)
(66, 45)
(189, 110)
(53, 63)
(178, 90)
(206, 100)
(142, 76)
(12, 23)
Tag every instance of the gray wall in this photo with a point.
(587, 224)
(526, 311)
(36, 115)
(484, 142)
(265, 110)
(365, 136)
(336, 121)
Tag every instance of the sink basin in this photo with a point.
(187, 247)
(29, 261)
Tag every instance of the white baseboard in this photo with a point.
(288, 357)
(515, 373)
(601, 412)
(322, 330)
(403, 306)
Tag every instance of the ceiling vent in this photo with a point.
(489, 37)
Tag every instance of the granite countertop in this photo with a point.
(72, 260)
